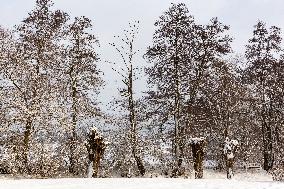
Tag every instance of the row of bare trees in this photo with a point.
(196, 88)
(48, 64)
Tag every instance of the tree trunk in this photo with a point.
(73, 129)
(139, 164)
(27, 135)
(90, 168)
(97, 161)
(96, 147)
(230, 148)
(267, 147)
(229, 167)
(268, 158)
(178, 138)
(132, 119)
(198, 157)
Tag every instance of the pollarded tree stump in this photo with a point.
(230, 148)
(96, 146)
(197, 146)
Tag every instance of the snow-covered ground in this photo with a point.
(211, 181)
(137, 183)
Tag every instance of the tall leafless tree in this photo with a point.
(170, 55)
(127, 52)
(80, 77)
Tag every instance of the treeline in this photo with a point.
(197, 87)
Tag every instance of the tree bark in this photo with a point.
(27, 135)
(229, 167)
(268, 156)
(97, 162)
(96, 147)
(198, 157)
(132, 119)
(74, 123)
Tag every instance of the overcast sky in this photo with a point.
(110, 17)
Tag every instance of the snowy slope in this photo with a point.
(136, 183)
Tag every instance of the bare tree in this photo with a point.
(261, 55)
(80, 78)
(127, 52)
(30, 67)
(170, 55)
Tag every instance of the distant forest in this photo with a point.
(197, 90)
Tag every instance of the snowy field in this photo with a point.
(211, 181)
(137, 183)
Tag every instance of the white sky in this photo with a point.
(110, 17)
